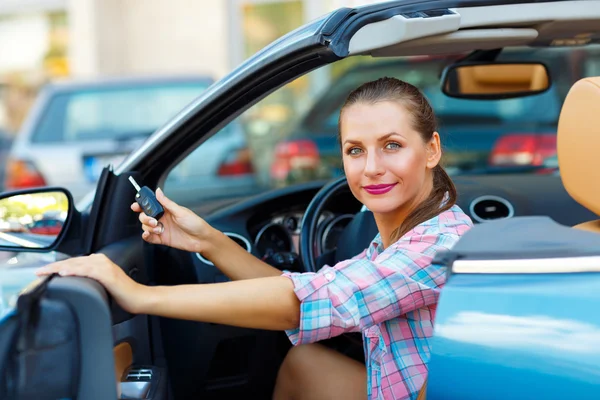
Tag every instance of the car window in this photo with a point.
(119, 112)
(291, 136)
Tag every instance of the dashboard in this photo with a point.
(268, 225)
(282, 232)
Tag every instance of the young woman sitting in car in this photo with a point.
(391, 152)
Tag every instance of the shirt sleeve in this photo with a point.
(358, 293)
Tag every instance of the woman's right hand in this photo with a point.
(181, 227)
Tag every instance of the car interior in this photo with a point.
(298, 227)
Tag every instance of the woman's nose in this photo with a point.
(374, 164)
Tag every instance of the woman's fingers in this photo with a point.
(88, 266)
(151, 238)
(168, 204)
(154, 229)
(146, 220)
(151, 227)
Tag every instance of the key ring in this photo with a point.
(161, 226)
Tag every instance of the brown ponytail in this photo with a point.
(443, 194)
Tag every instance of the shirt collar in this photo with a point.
(376, 246)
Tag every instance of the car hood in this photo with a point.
(17, 271)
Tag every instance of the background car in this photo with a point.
(479, 137)
(46, 226)
(77, 128)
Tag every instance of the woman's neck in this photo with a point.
(387, 223)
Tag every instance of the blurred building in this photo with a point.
(42, 40)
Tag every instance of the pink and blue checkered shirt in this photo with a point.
(389, 295)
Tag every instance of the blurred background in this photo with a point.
(59, 60)
(84, 82)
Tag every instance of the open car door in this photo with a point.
(58, 343)
(64, 338)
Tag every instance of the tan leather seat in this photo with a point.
(578, 145)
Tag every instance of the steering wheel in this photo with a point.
(310, 222)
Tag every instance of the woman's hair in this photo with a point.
(443, 194)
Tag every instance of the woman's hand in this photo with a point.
(128, 293)
(179, 227)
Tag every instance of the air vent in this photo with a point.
(239, 239)
(489, 208)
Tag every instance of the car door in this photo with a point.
(64, 337)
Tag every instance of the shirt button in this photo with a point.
(329, 276)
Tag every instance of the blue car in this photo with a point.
(516, 318)
(479, 138)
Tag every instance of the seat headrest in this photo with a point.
(578, 143)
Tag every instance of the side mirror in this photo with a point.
(34, 218)
(490, 81)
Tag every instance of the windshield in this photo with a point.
(291, 136)
(113, 112)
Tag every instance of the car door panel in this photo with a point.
(132, 345)
(128, 255)
(208, 360)
(123, 354)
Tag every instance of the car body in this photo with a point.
(76, 128)
(205, 360)
(46, 226)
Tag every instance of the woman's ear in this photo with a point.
(434, 151)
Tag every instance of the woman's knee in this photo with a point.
(296, 361)
(290, 373)
(315, 371)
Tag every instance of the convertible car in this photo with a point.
(517, 317)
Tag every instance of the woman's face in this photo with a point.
(387, 163)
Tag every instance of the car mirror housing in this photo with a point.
(495, 80)
(34, 219)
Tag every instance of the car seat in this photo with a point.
(578, 144)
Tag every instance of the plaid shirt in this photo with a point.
(389, 295)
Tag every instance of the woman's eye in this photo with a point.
(393, 146)
(354, 151)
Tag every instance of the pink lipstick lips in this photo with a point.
(379, 189)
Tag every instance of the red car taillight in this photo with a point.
(22, 174)
(237, 163)
(294, 154)
(523, 149)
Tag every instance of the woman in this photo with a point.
(391, 154)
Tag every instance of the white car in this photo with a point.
(76, 128)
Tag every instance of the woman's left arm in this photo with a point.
(263, 303)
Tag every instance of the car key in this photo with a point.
(147, 200)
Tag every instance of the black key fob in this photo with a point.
(146, 198)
